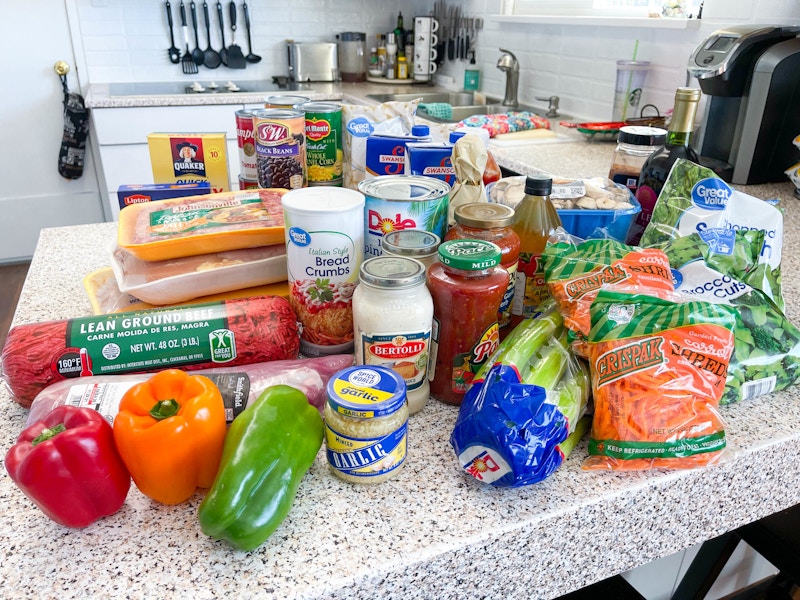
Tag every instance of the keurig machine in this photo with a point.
(751, 75)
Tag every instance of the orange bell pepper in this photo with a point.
(170, 431)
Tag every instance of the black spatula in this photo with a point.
(236, 58)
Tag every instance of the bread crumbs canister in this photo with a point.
(366, 424)
(324, 231)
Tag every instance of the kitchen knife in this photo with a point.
(452, 32)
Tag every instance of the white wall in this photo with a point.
(33, 195)
(127, 41)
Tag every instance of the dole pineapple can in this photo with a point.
(324, 154)
(398, 202)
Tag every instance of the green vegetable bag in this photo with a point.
(268, 449)
(694, 199)
(717, 266)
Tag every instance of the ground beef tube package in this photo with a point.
(194, 336)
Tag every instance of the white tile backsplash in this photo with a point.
(127, 41)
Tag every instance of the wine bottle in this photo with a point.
(657, 167)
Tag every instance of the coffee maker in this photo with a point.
(751, 75)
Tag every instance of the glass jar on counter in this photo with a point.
(467, 285)
(412, 243)
(634, 146)
(366, 424)
(392, 318)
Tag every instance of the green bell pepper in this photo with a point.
(268, 449)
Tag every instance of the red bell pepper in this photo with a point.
(68, 464)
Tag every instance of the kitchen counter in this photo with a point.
(431, 532)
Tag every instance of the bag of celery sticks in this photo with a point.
(523, 414)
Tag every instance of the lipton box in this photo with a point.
(190, 158)
(149, 192)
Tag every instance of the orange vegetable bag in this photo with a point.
(658, 372)
(574, 273)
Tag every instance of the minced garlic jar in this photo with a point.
(366, 422)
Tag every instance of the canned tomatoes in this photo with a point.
(280, 148)
(247, 145)
(396, 202)
(323, 142)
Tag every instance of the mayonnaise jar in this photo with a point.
(392, 319)
(366, 424)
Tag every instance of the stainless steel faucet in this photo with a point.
(509, 64)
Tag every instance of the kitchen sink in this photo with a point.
(451, 98)
(464, 104)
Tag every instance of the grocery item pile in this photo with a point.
(251, 328)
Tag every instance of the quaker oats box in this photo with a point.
(190, 158)
(150, 192)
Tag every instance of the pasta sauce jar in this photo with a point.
(492, 223)
(392, 316)
(366, 424)
(467, 285)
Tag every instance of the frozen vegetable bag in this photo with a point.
(716, 265)
(658, 371)
(694, 199)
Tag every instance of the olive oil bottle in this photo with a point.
(535, 220)
(657, 167)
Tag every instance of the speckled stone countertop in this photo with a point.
(431, 532)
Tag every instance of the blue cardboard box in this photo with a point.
(148, 192)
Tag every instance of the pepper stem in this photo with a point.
(164, 409)
(48, 433)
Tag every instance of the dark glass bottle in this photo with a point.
(656, 169)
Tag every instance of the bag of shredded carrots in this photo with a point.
(574, 273)
(658, 371)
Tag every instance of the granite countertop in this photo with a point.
(430, 532)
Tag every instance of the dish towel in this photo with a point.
(441, 110)
(506, 122)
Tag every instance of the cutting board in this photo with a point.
(519, 138)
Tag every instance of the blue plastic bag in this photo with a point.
(506, 433)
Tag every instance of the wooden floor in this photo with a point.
(11, 279)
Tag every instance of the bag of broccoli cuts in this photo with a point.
(695, 199)
(717, 266)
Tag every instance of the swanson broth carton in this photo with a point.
(190, 158)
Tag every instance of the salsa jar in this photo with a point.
(467, 285)
(392, 317)
(366, 424)
(492, 223)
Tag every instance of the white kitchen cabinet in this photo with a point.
(120, 138)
